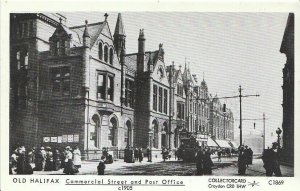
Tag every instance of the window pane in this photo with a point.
(101, 87)
(110, 88)
(66, 87)
(160, 99)
(100, 51)
(154, 97)
(105, 53)
(56, 87)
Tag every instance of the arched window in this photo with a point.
(113, 131)
(128, 134)
(111, 56)
(164, 135)
(94, 131)
(100, 51)
(105, 53)
(154, 141)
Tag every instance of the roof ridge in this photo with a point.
(81, 26)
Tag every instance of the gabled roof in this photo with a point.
(131, 59)
(75, 38)
(94, 29)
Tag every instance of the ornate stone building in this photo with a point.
(76, 85)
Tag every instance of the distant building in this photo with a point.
(76, 85)
(287, 47)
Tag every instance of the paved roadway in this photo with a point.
(172, 167)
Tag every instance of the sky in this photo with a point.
(230, 49)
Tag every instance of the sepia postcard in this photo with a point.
(154, 95)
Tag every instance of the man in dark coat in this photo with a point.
(199, 161)
(23, 166)
(56, 160)
(141, 155)
(242, 161)
(270, 159)
(101, 166)
(136, 154)
(207, 162)
(38, 161)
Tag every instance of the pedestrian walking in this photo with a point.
(141, 155)
(23, 165)
(149, 154)
(101, 166)
(199, 161)
(43, 152)
(207, 162)
(271, 162)
(56, 159)
(247, 155)
(250, 156)
(69, 165)
(49, 159)
(77, 157)
(242, 161)
(136, 154)
(39, 160)
(165, 154)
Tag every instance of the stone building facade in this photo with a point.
(287, 48)
(76, 85)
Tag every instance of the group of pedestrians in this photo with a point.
(203, 161)
(139, 155)
(245, 158)
(271, 160)
(24, 161)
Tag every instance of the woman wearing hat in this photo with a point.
(77, 157)
(69, 165)
(49, 159)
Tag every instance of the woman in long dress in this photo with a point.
(77, 158)
(207, 162)
(69, 165)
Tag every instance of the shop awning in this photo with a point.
(211, 143)
(223, 143)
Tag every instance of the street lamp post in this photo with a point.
(278, 132)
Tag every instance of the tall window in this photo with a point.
(129, 93)
(110, 88)
(165, 101)
(22, 59)
(60, 81)
(179, 89)
(100, 51)
(111, 56)
(180, 110)
(105, 53)
(160, 97)
(105, 86)
(154, 97)
(101, 86)
(56, 51)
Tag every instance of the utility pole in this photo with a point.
(239, 96)
(241, 132)
(264, 135)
